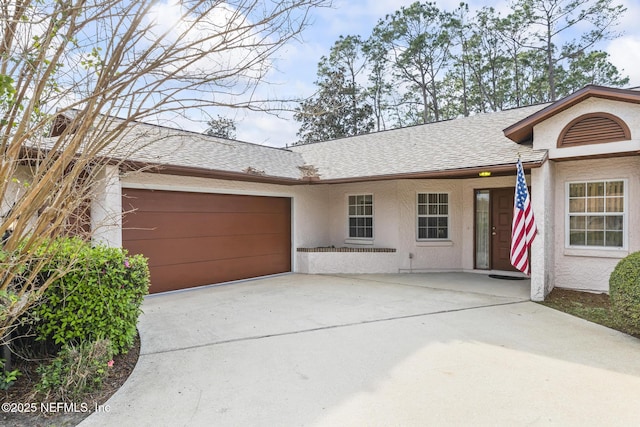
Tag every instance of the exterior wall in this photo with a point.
(385, 214)
(543, 181)
(546, 133)
(395, 221)
(106, 208)
(15, 188)
(585, 269)
(590, 268)
(345, 262)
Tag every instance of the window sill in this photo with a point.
(596, 252)
(434, 243)
(358, 242)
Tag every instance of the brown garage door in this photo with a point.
(194, 239)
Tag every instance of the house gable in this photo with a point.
(594, 128)
(523, 130)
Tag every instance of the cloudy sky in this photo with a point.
(297, 65)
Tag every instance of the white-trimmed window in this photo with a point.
(596, 214)
(361, 216)
(433, 216)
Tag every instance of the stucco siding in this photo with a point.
(578, 268)
(385, 214)
(344, 262)
(106, 208)
(15, 188)
(422, 255)
(546, 133)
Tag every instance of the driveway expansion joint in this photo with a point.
(328, 327)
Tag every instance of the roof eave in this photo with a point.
(460, 173)
(207, 173)
(522, 131)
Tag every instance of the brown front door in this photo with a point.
(501, 217)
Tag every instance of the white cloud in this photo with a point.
(219, 39)
(625, 54)
(266, 129)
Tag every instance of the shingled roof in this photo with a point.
(453, 147)
(171, 148)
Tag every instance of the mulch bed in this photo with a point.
(21, 395)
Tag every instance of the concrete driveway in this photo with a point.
(373, 350)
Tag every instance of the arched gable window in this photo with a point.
(594, 128)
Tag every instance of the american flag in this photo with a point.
(523, 229)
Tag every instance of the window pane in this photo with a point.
(361, 216)
(615, 188)
(614, 223)
(595, 189)
(595, 223)
(595, 205)
(577, 238)
(576, 205)
(577, 190)
(482, 229)
(615, 204)
(433, 215)
(595, 238)
(577, 223)
(614, 238)
(603, 198)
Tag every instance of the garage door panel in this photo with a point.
(194, 239)
(158, 225)
(174, 201)
(198, 249)
(168, 278)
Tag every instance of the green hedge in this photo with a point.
(99, 298)
(624, 292)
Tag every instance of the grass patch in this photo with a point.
(589, 306)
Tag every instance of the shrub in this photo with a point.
(7, 378)
(98, 298)
(624, 292)
(76, 370)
